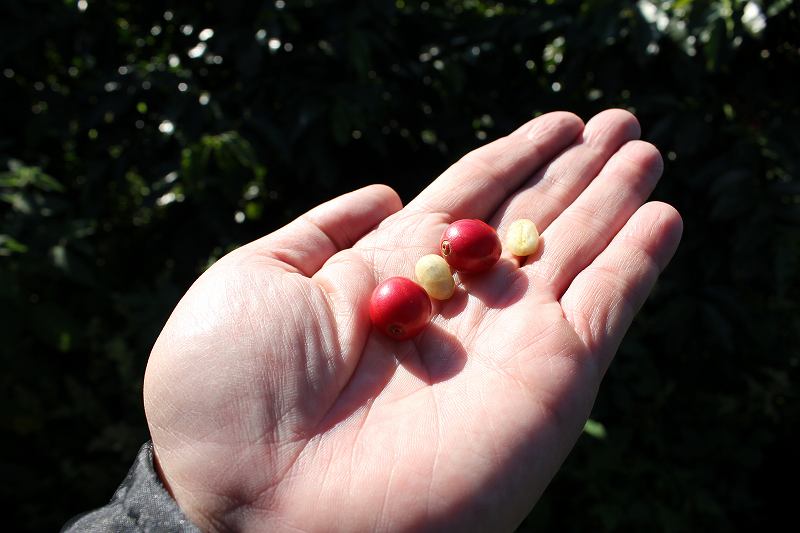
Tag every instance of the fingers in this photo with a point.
(603, 299)
(478, 183)
(584, 229)
(554, 187)
(306, 243)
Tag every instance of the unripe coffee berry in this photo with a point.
(433, 273)
(470, 246)
(400, 308)
(522, 238)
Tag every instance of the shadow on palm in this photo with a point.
(442, 350)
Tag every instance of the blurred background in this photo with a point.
(140, 141)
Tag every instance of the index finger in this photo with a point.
(476, 185)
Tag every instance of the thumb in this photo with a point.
(306, 243)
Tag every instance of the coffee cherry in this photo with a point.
(470, 246)
(400, 308)
(433, 273)
(522, 238)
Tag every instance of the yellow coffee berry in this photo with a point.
(522, 238)
(433, 273)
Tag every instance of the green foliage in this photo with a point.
(140, 143)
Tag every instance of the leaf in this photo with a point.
(9, 245)
(594, 429)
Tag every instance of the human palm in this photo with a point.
(273, 404)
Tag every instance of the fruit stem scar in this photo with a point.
(396, 330)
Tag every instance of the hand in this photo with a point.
(272, 404)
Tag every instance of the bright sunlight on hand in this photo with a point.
(274, 405)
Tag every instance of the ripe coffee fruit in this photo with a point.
(400, 308)
(433, 273)
(470, 246)
(522, 238)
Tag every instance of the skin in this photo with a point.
(273, 405)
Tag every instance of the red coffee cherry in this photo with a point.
(470, 246)
(400, 308)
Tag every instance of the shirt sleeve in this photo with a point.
(141, 503)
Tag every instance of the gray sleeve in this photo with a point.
(141, 503)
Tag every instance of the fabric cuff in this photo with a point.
(141, 503)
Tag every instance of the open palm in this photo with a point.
(273, 404)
